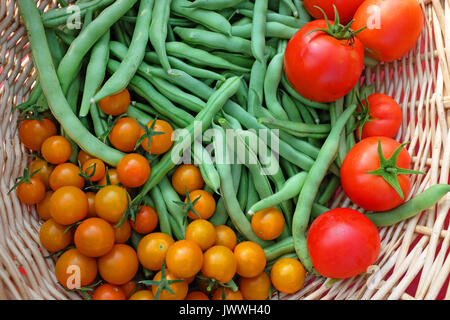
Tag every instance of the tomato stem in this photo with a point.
(389, 170)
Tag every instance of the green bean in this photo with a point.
(130, 63)
(410, 208)
(307, 117)
(210, 19)
(256, 87)
(291, 6)
(258, 29)
(172, 200)
(95, 72)
(214, 4)
(280, 248)
(229, 194)
(289, 169)
(271, 82)
(158, 30)
(312, 183)
(298, 129)
(252, 195)
(138, 114)
(215, 40)
(220, 216)
(168, 161)
(287, 86)
(157, 100)
(99, 125)
(279, 18)
(302, 13)
(290, 189)
(242, 94)
(272, 30)
(87, 38)
(209, 173)
(243, 189)
(200, 57)
(53, 43)
(53, 91)
(178, 231)
(161, 209)
(151, 57)
(120, 35)
(237, 59)
(60, 16)
(290, 107)
(242, 21)
(329, 191)
(64, 37)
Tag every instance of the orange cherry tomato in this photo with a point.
(31, 191)
(91, 205)
(94, 237)
(125, 134)
(160, 143)
(66, 174)
(116, 104)
(256, 288)
(184, 258)
(201, 232)
(219, 263)
(250, 258)
(225, 236)
(113, 178)
(56, 149)
(74, 270)
(119, 265)
(133, 170)
(95, 168)
(68, 205)
(152, 250)
(45, 169)
(123, 232)
(43, 207)
(229, 294)
(204, 206)
(146, 220)
(54, 237)
(107, 291)
(196, 295)
(142, 295)
(288, 275)
(180, 289)
(187, 176)
(268, 224)
(83, 156)
(111, 203)
(32, 133)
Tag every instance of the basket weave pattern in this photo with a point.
(414, 251)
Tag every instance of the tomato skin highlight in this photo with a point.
(320, 67)
(369, 191)
(343, 243)
(345, 8)
(401, 23)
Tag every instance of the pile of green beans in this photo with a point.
(217, 62)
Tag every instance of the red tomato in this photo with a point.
(384, 117)
(367, 190)
(321, 67)
(342, 243)
(394, 27)
(345, 8)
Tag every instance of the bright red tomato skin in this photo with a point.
(342, 243)
(369, 191)
(385, 114)
(320, 67)
(401, 23)
(345, 8)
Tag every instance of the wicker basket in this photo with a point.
(414, 261)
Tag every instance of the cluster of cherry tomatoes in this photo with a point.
(83, 207)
